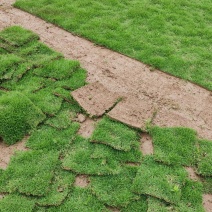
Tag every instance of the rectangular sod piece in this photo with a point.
(50, 138)
(204, 164)
(59, 189)
(207, 185)
(8, 62)
(30, 172)
(107, 152)
(78, 159)
(191, 199)
(115, 134)
(61, 120)
(18, 115)
(46, 101)
(161, 181)
(80, 199)
(115, 190)
(16, 202)
(58, 69)
(176, 146)
(75, 81)
(17, 36)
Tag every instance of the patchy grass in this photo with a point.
(204, 164)
(78, 159)
(36, 180)
(161, 181)
(115, 190)
(207, 185)
(171, 36)
(29, 173)
(174, 146)
(114, 134)
(18, 115)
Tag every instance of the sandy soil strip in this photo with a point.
(178, 103)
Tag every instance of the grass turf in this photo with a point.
(18, 115)
(174, 146)
(204, 164)
(59, 189)
(171, 36)
(16, 202)
(29, 173)
(115, 190)
(78, 159)
(115, 134)
(161, 181)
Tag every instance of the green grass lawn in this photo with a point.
(35, 100)
(173, 36)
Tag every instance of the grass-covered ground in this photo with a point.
(35, 100)
(174, 36)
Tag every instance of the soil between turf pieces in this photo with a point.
(70, 203)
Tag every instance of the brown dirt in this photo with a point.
(2, 196)
(207, 202)
(136, 115)
(146, 144)
(191, 173)
(179, 103)
(8, 151)
(87, 128)
(82, 181)
(95, 99)
(80, 118)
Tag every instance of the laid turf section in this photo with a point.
(60, 188)
(18, 115)
(29, 173)
(15, 202)
(107, 152)
(115, 190)
(171, 36)
(17, 36)
(191, 199)
(159, 181)
(174, 146)
(114, 134)
(80, 200)
(52, 139)
(35, 100)
(78, 159)
(204, 164)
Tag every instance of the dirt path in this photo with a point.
(178, 103)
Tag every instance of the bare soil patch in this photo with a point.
(113, 209)
(7, 151)
(179, 103)
(87, 128)
(95, 99)
(191, 173)
(82, 181)
(146, 144)
(207, 202)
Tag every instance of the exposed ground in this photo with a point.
(177, 103)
